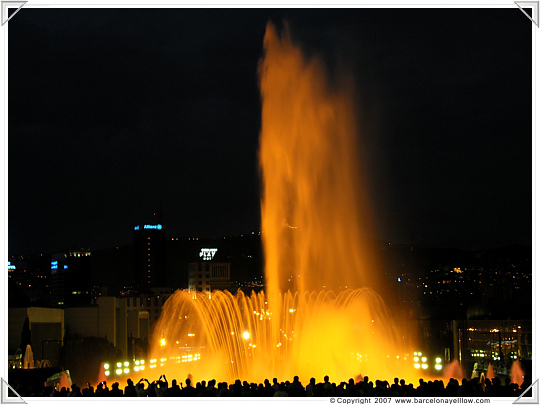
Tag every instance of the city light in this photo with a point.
(126, 363)
(424, 366)
(246, 335)
(118, 371)
(438, 367)
(162, 342)
(106, 366)
(107, 373)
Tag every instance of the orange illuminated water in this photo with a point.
(320, 314)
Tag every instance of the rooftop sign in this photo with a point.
(207, 253)
(158, 227)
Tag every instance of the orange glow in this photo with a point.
(321, 273)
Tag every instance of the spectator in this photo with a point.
(174, 390)
(129, 390)
(116, 391)
(139, 388)
(281, 392)
(188, 390)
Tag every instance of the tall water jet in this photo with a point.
(315, 215)
(318, 315)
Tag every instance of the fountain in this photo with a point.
(517, 375)
(490, 372)
(453, 370)
(319, 314)
(28, 361)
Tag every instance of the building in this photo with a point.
(70, 283)
(207, 275)
(110, 318)
(150, 303)
(46, 330)
(149, 245)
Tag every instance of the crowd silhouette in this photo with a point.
(362, 387)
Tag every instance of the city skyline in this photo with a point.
(114, 113)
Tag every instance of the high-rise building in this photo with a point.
(149, 245)
(70, 284)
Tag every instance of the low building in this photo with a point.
(207, 275)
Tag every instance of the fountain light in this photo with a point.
(246, 335)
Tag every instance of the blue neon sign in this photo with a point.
(54, 265)
(158, 226)
(65, 266)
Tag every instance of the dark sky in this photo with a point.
(113, 112)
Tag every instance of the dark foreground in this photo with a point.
(363, 388)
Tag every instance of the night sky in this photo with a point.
(116, 112)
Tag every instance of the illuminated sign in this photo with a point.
(54, 265)
(65, 266)
(158, 227)
(11, 266)
(207, 253)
